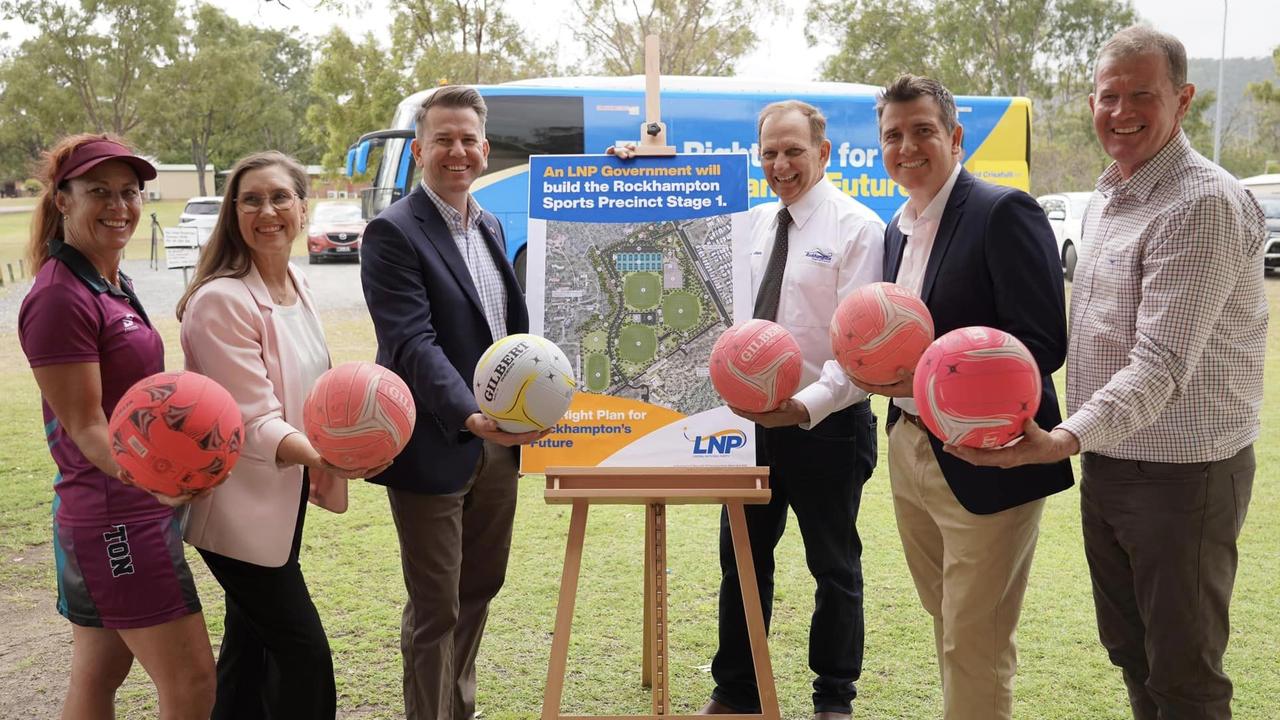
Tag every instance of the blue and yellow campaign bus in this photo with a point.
(562, 116)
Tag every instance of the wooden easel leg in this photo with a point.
(754, 615)
(646, 662)
(564, 611)
(660, 671)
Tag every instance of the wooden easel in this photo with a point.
(655, 488)
(653, 132)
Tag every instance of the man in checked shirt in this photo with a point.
(1164, 383)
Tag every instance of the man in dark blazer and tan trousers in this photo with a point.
(978, 254)
(440, 291)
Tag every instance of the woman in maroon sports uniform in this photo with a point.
(122, 579)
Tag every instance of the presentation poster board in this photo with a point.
(634, 269)
(181, 247)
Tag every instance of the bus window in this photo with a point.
(520, 126)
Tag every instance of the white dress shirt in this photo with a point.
(835, 245)
(920, 230)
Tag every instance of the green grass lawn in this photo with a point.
(352, 566)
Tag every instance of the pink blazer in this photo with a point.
(228, 334)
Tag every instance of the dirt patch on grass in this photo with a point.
(35, 647)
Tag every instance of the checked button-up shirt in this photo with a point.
(475, 253)
(1168, 314)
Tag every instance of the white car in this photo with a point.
(201, 213)
(1066, 215)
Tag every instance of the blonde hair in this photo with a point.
(46, 221)
(226, 254)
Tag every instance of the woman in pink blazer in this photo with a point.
(248, 322)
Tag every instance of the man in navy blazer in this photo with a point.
(440, 291)
(978, 254)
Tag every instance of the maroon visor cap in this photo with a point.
(91, 154)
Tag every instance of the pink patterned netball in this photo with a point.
(176, 433)
(976, 386)
(359, 415)
(755, 365)
(878, 330)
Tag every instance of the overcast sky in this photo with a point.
(1252, 28)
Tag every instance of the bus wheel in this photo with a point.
(1069, 261)
(519, 266)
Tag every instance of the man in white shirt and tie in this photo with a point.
(808, 251)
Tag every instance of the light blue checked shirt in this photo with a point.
(480, 263)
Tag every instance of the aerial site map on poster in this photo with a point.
(635, 269)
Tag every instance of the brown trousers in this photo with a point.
(453, 550)
(1160, 539)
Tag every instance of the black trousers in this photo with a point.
(274, 662)
(819, 474)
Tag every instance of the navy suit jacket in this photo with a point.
(431, 332)
(995, 263)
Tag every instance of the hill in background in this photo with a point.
(1237, 74)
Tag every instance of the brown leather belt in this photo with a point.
(914, 420)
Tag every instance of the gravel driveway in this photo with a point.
(334, 286)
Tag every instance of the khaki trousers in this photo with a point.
(453, 550)
(970, 572)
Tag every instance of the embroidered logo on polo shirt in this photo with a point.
(128, 323)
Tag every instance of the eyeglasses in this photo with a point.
(252, 202)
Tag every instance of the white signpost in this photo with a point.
(181, 249)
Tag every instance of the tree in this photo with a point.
(1041, 49)
(982, 47)
(1266, 97)
(209, 98)
(36, 111)
(354, 89)
(231, 89)
(469, 41)
(101, 52)
(287, 69)
(698, 37)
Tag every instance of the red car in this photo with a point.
(335, 232)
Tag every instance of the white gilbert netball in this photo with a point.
(524, 382)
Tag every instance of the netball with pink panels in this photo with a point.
(359, 415)
(977, 386)
(755, 365)
(879, 330)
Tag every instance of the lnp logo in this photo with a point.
(717, 443)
